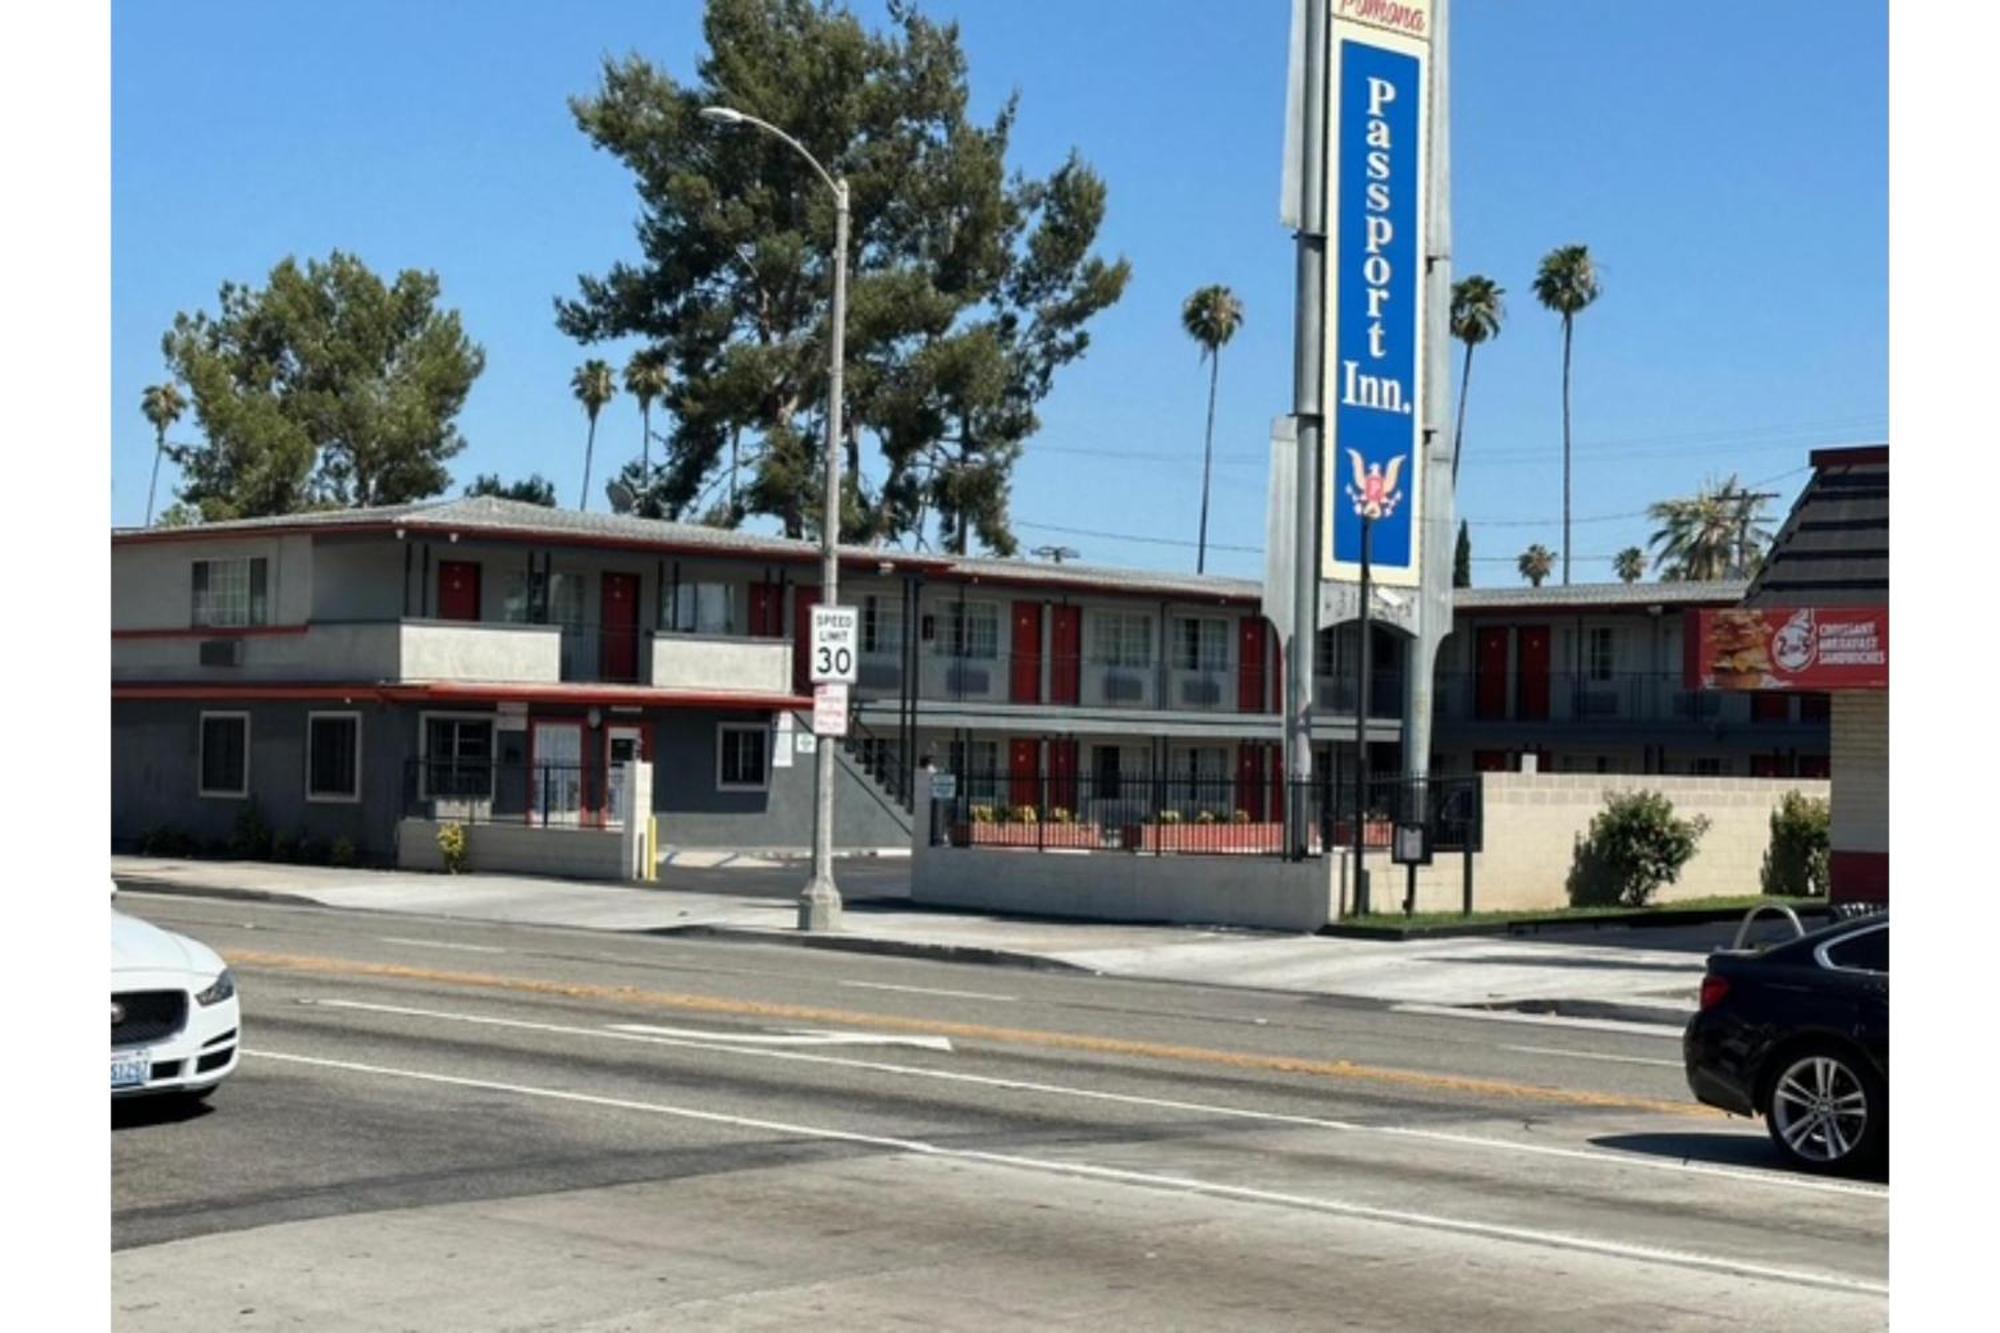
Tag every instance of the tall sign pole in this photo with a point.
(1306, 208)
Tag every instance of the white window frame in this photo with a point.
(424, 720)
(956, 641)
(326, 798)
(1202, 664)
(251, 619)
(881, 626)
(201, 754)
(724, 730)
(1594, 636)
(1113, 633)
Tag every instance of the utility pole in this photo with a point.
(1308, 376)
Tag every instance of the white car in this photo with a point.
(175, 1023)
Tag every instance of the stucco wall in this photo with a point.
(485, 652)
(152, 583)
(569, 853)
(691, 662)
(1861, 771)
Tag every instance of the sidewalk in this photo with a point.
(1594, 979)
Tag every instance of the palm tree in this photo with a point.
(1211, 317)
(1566, 283)
(1476, 312)
(1536, 563)
(1716, 533)
(646, 379)
(1629, 564)
(593, 386)
(163, 405)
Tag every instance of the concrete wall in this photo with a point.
(358, 578)
(155, 774)
(152, 583)
(693, 662)
(694, 813)
(1534, 820)
(569, 853)
(1860, 833)
(442, 650)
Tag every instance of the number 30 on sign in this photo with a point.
(836, 638)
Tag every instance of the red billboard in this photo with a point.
(1789, 648)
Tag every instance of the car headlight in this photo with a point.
(218, 990)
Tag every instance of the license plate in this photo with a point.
(129, 1070)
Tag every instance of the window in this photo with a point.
(225, 754)
(742, 756)
(333, 756)
(701, 608)
(541, 599)
(1201, 775)
(1599, 652)
(882, 627)
(231, 593)
(1865, 952)
(1711, 768)
(1201, 645)
(458, 757)
(1122, 639)
(1325, 658)
(978, 767)
(972, 629)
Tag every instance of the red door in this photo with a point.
(1062, 774)
(458, 590)
(1066, 679)
(1767, 766)
(1250, 668)
(767, 616)
(1250, 781)
(1025, 674)
(1023, 760)
(1532, 704)
(1489, 761)
(803, 602)
(1770, 706)
(1490, 674)
(619, 650)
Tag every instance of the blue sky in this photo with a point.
(1731, 179)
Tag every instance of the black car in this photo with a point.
(1798, 1033)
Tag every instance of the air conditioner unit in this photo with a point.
(1599, 703)
(880, 675)
(967, 680)
(1121, 689)
(222, 652)
(1203, 691)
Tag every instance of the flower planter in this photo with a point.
(1219, 839)
(1075, 836)
(1375, 833)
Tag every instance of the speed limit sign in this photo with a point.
(836, 639)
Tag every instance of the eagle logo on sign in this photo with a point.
(1375, 493)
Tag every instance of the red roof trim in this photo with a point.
(210, 632)
(1866, 455)
(461, 692)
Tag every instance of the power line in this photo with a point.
(1133, 537)
(1614, 518)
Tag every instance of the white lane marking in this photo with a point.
(441, 944)
(795, 1037)
(1542, 1020)
(1595, 1055)
(1145, 1179)
(1779, 1180)
(926, 990)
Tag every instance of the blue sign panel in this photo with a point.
(1374, 352)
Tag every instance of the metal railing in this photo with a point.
(1197, 814)
(1584, 698)
(545, 793)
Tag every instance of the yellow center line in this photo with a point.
(1065, 1041)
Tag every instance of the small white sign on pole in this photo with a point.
(836, 646)
(781, 749)
(944, 786)
(830, 709)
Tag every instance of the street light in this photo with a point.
(819, 905)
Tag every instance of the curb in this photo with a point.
(1639, 920)
(1657, 1014)
(948, 953)
(142, 884)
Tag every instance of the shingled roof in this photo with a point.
(1834, 547)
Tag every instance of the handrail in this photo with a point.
(1743, 930)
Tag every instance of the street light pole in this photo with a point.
(1362, 685)
(819, 904)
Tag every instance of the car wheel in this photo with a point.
(1826, 1110)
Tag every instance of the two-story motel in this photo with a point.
(482, 658)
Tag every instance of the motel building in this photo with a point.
(363, 676)
(1816, 619)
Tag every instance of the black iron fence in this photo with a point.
(1197, 814)
(479, 791)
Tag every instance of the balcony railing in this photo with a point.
(1612, 699)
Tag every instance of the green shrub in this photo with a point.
(1635, 847)
(251, 838)
(1061, 814)
(982, 814)
(1800, 857)
(1240, 817)
(284, 847)
(342, 852)
(1205, 817)
(451, 846)
(1022, 814)
(167, 841)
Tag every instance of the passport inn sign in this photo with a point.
(1378, 137)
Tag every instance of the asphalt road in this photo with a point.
(450, 1126)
